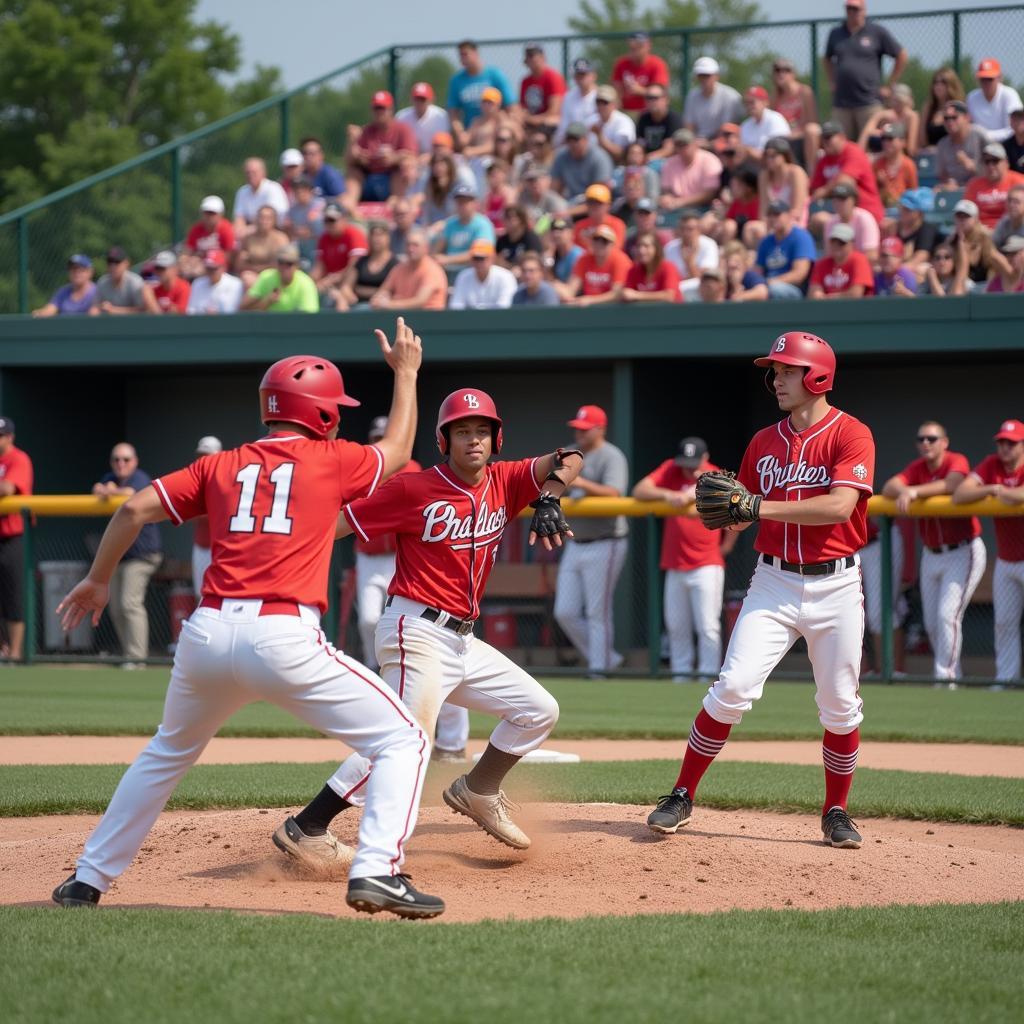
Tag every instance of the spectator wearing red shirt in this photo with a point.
(599, 275)
(15, 478)
(598, 200)
(843, 273)
(651, 278)
(212, 231)
(953, 558)
(541, 91)
(171, 291)
(375, 151)
(844, 160)
(744, 209)
(692, 557)
(340, 244)
(989, 189)
(895, 172)
(637, 70)
(1001, 476)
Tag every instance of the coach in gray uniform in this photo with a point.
(592, 560)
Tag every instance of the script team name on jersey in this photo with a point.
(441, 523)
(773, 474)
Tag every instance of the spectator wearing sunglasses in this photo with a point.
(958, 153)
(989, 189)
(284, 288)
(657, 124)
(710, 103)
(614, 129)
(120, 291)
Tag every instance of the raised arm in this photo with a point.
(404, 357)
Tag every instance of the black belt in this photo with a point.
(461, 626)
(815, 569)
(943, 548)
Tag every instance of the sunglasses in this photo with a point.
(121, 458)
(779, 70)
(990, 160)
(928, 438)
(653, 96)
(600, 241)
(950, 117)
(943, 256)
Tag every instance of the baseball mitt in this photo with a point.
(548, 522)
(723, 501)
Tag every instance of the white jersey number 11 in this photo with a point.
(243, 521)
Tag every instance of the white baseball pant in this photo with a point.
(948, 581)
(228, 658)
(871, 570)
(201, 558)
(827, 611)
(584, 598)
(1008, 606)
(693, 604)
(428, 664)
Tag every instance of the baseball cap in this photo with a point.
(464, 191)
(778, 144)
(482, 247)
(904, 90)
(215, 258)
(640, 37)
(443, 139)
(291, 158)
(6, 425)
(783, 64)
(859, 4)
(682, 136)
(165, 259)
(995, 149)
(1014, 244)
(79, 259)
(492, 95)
(1011, 430)
(891, 246)
(560, 224)
(532, 47)
(692, 450)
(288, 253)
(717, 273)
(757, 92)
(588, 416)
(212, 204)
(894, 130)
(607, 93)
(422, 91)
(646, 205)
(844, 190)
(779, 206)
(378, 428)
(208, 445)
(958, 105)
(705, 66)
(382, 98)
(598, 193)
(582, 66)
(115, 254)
(841, 233)
(577, 130)
(966, 206)
(917, 199)
(729, 128)
(989, 67)
(605, 232)
(332, 211)
(830, 128)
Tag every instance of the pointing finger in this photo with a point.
(382, 340)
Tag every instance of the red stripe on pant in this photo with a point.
(696, 764)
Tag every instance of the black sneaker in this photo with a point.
(73, 893)
(672, 812)
(393, 893)
(839, 831)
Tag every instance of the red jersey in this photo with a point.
(665, 277)
(201, 532)
(686, 543)
(1009, 529)
(273, 507)
(584, 231)
(783, 465)
(990, 197)
(597, 280)
(652, 71)
(15, 468)
(175, 297)
(855, 164)
(386, 543)
(535, 91)
(397, 134)
(201, 240)
(448, 532)
(335, 252)
(936, 532)
(834, 277)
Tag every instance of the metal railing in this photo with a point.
(143, 204)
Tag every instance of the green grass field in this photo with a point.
(914, 965)
(72, 789)
(105, 701)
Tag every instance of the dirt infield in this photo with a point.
(958, 758)
(586, 859)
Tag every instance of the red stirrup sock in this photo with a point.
(839, 754)
(707, 737)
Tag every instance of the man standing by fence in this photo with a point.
(15, 478)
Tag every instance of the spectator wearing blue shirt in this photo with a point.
(534, 291)
(786, 254)
(892, 278)
(77, 296)
(328, 181)
(467, 86)
(463, 229)
(140, 561)
(564, 255)
(742, 283)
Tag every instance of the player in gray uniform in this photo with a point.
(593, 559)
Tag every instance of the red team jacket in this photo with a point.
(936, 532)
(686, 543)
(1009, 529)
(273, 507)
(783, 465)
(15, 468)
(448, 532)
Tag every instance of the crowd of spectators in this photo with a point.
(611, 195)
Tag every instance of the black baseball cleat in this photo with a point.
(839, 831)
(672, 812)
(73, 893)
(394, 893)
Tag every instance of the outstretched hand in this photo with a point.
(406, 352)
(548, 522)
(87, 598)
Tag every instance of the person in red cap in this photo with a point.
(992, 103)
(375, 151)
(592, 561)
(216, 291)
(273, 511)
(892, 278)
(425, 118)
(1001, 476)
(762, 123)
(809, 478)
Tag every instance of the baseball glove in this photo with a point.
(548, 519)
(723, 501)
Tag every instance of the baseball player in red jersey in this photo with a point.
(449, 521)
(1001, 476)
(810, 476)
(953, 556)
(273, 507)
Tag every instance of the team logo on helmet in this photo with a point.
(860, 471)
(471, 400)
(1008, 426)
(780, 343)
(271, 403)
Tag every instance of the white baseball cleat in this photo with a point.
(491, 813)
(312, 851)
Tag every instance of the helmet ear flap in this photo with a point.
(442, 440)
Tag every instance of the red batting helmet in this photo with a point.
(798, 348)
(462, 404)
(306, 390)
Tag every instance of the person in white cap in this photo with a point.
(212, 231)
(291, 169)
(201, 557)
(257, 191)
(171, 291)
(710, 103)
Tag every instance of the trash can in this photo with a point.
(57, 579)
